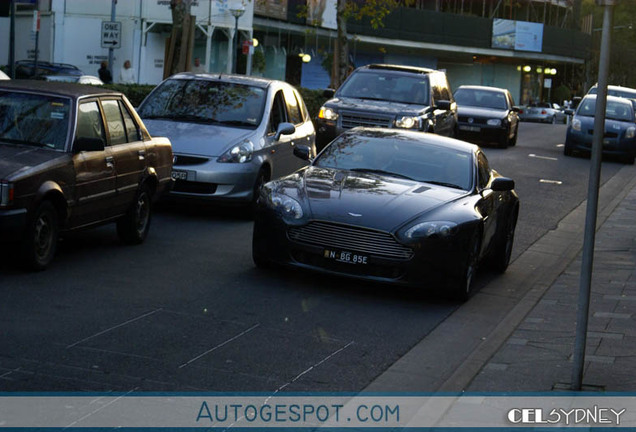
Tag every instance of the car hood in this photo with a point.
(365, 199)
(481, 112)
(610, 124)
(15, 158)
(196, 138)
(378, 106)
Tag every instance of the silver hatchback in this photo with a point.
(229, 133)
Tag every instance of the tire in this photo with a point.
(261, 179)
(500, 257)
(259, 260)
(513, 141)
(553, 121)
(461, 288)
(504, 141)
(133, 227)
(567, 149)
(40, 242)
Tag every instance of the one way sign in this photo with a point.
(111, 34)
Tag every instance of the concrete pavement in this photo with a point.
(517, 334)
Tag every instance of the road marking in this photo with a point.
(532, 155)
(220, 345)
(556, 182)
(113, 328)
(560, 145)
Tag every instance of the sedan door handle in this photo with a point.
(110, 162)
(142, 154)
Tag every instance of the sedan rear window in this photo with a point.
(203, 101)
(35, 120)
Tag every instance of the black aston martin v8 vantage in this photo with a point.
(390, 206)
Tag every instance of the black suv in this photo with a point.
(389, 96)
(25, 69)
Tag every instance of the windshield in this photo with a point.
(36, 120)
(203, 101)
(481, 98)
(395, 155)
(614, 110)
(387, 87)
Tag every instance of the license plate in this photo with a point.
(470, 128)
(180, 175)
(345, 257)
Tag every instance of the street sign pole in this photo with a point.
(12, 40)
(110, 50)
(36, 29)
(592, 202)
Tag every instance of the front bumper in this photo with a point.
(482, 133)
(12, 225)
(612, 146)
(430, 267)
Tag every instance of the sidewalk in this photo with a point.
(517, 334)
(538, 354)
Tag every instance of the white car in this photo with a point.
(544, 112)
(4, 76)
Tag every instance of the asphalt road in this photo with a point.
(188, 311)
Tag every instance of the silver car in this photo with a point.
(544, 112)
(229, 133)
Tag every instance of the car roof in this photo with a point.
(616, 99)
(397, 68)
(478, 87)
(221, 77)
(56, 88)
(423, 137)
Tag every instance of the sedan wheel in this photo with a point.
(133, 227)
(502, 252)
(40, 243)
(462, 286)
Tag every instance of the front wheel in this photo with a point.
(40, 243)
(133, 227)
(462, 286)
(502, 252)
(513, 141)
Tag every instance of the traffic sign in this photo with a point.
(111, 34)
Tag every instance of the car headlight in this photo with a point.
(407, 122)
(285, 205)
(493, 122)
(576, 124)
(6, 193)
(431, 229)
(240, 153)
(327, 114)
(629, 133)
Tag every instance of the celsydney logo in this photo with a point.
(591, 416)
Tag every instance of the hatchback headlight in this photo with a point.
(431, 229)
(493, 122)
(629, 133)
(6, 193)
(576, 124)
(240, 153)
(285, 205)
(407, 122)
(327, 114)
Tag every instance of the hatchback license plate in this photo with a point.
(470, 128)
(346, 257)
(180, 175)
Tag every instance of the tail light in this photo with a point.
(6, 193)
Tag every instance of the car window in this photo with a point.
(89, 122)
(481, 98)
(483, 171)
(132, 130)
(277, 115)
(115, 122)
(303, 108)
(293, 109)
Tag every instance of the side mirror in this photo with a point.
(328, 93)
(284, 129)
(569, 111)
(443, 105)
(88, 144)
(302, 152)
(502, 184)
(516, 109)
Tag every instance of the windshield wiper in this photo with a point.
(183, 117)
(441, 183)
(379, 171)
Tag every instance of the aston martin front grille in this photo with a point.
(351, 120)
(350, 238)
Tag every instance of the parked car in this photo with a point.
(390, 206)
(230, 133)
(79, 79)
(618, 91)
(544, 112)
(486, 115)
(390, 96)
(71, 157)
(619, 138)
(25, 69)
(4, 76)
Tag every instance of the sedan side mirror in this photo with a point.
(284, 129)
(516, 109)
(328, 93)
(303, 152)
(569, 111)
(502, 184)
(88, 144)
(443, 105)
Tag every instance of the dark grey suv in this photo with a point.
(389, 96)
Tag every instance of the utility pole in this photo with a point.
(111, 49)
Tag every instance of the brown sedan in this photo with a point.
(74, 156)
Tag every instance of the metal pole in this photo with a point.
(234, 42)
(12, 40)
(592, 203)
(110, 50)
